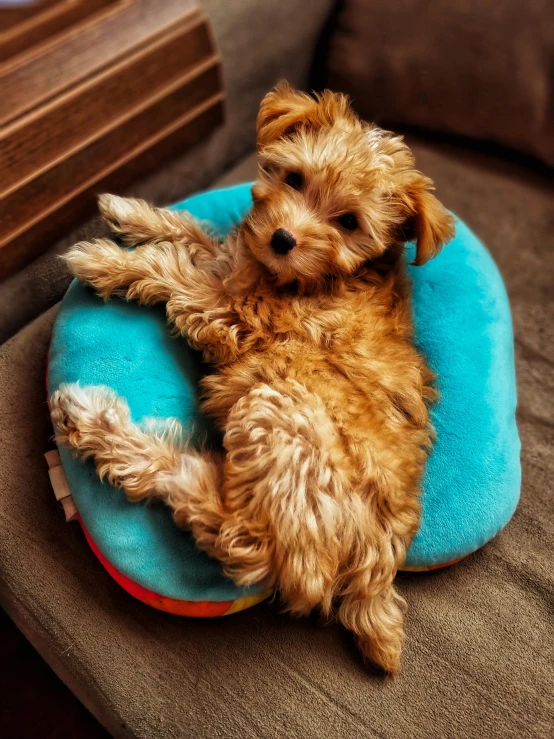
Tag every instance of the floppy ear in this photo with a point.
(429, 223)
(285, 109)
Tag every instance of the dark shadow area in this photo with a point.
(34, 701)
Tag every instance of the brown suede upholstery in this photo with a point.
(479, 657)
(477, 68)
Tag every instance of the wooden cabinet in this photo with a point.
(92, 94)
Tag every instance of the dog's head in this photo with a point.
(334, 192)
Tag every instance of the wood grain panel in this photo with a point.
(46, 21)
(169, 143)
(83, 51)
(14, 15)
(68, 175)
(99, 101)
(39, 138)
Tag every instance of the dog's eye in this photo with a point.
(348, 221)
(294, 180)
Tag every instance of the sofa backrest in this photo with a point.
(478, 68)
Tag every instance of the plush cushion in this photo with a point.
(472, 480)
(477, 68)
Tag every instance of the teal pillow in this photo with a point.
(472, 481)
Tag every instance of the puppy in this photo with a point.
(304, 313)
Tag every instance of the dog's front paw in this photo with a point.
(100, 263)
(131, 219)
(117, 211)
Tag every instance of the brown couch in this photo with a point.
(480, 652)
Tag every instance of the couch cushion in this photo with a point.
(478, 68)
(478, 659)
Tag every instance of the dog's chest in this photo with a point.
(339, 324)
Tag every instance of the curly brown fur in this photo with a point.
(317, 387)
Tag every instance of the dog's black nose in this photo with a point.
(282, 241)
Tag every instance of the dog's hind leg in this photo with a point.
(283, 468)
(95, 422)
(154, 462)
(286, 468)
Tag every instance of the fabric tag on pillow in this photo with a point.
(59, 484)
